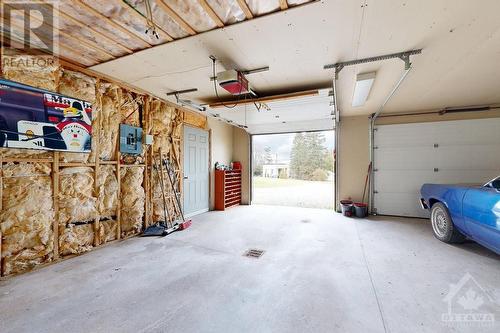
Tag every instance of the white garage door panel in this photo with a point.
(404, 158)
(484, 131)
(485, 157)
(409, 155)
(411, 179)
(387, 202)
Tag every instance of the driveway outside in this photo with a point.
(292, 192)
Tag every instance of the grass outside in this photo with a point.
(292, 192)
(263, 182)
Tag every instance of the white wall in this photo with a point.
(222, 149)
(241, 153)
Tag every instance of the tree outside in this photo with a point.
(294, 169)
(310, 158)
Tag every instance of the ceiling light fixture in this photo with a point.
(364, 83)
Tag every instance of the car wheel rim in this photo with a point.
(439, 222)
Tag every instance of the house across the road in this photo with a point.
(277, 170)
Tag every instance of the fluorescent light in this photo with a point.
(364, 83)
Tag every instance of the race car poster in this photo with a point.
(38, 119)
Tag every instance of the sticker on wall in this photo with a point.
(38, 119)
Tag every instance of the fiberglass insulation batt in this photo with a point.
(107, 196)
(108, 231)
(26, 216)
(77, 204)
(132, 200)
(108, 121)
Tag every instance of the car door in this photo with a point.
(481, 210)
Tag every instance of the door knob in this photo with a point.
(185, 177)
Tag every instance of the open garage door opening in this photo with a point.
(293, 169)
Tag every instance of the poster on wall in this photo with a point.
(38, 119)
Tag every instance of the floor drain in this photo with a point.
(254, 253)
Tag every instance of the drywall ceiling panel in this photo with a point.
(281, 41)
(458, 65)
(227, 10)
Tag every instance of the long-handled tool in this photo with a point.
(161, 228)
(367, 180)
(184, 224)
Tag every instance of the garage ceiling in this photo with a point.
(458, 66)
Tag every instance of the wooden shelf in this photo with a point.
(227, 189)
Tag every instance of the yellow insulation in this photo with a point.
(75, 239)
(108, 231)
(38, 71)
(108, 121)
(26, 216)
(132, 200)
(158, 205)
(76, 195)
(107, 193)
(195, 119)
(165, 121)
(129, 109)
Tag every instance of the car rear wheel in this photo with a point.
(442, 225)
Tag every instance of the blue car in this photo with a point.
(459, 212)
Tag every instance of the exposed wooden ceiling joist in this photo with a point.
(209, 10)
(101, 28)
(244, 7)
(109, 21)
(134, 12)
(98, 49)
(95, 32)
(170, 12)
(10, 37)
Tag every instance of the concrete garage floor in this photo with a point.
(321, 272)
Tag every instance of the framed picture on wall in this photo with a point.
(33, 118)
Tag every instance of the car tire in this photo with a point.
(442, 225)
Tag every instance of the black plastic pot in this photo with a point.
(360, 209)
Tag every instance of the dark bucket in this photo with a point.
(346, 207)
(360, 209)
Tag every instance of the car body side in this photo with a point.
(474, 210)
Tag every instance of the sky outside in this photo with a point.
(281, 144)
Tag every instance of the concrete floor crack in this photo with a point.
(386, 330)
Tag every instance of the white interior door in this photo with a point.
(196, 171)
(408, 155)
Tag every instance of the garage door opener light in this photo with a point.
(364, 83)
